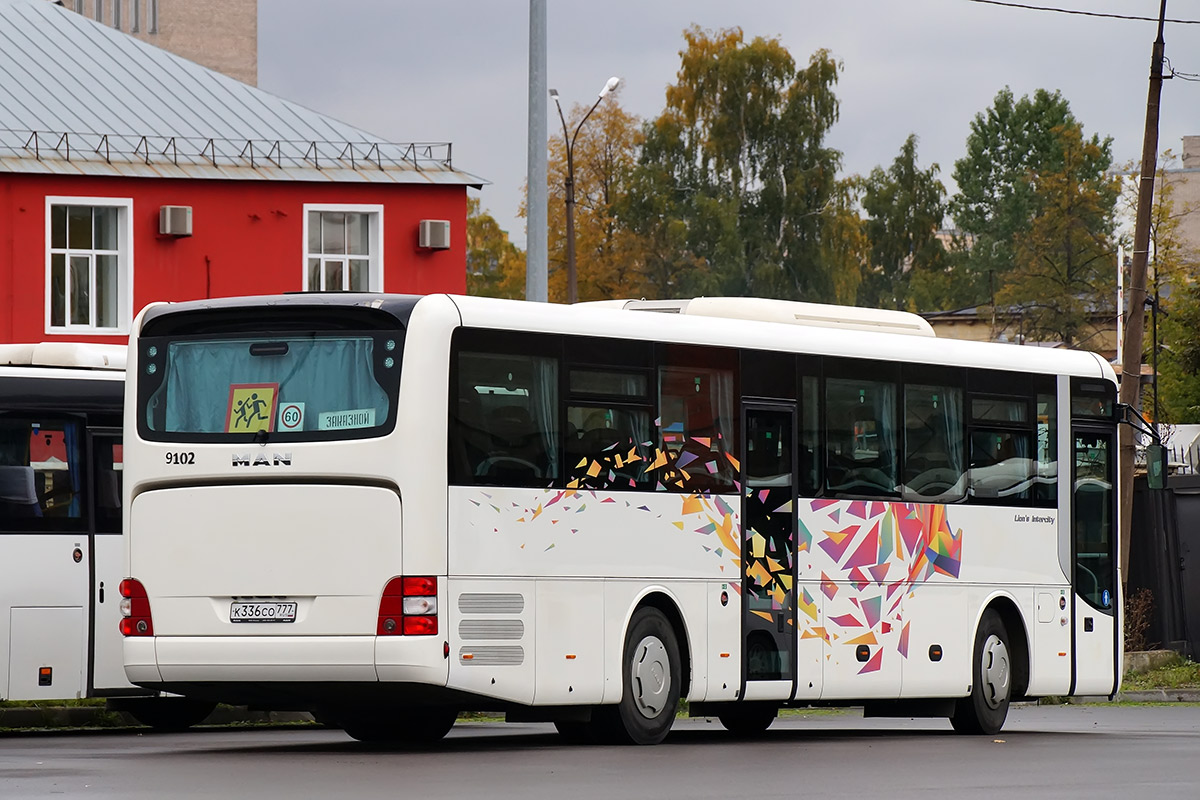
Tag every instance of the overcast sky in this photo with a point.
(457, 70)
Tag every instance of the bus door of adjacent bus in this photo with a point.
(768, 552)
(1093, 549)
(106, 669)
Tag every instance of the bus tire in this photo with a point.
(417, 726)
(167, 714)
(651, 686)
(985, 709)
(748, 720)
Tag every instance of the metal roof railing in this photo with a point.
(216, 151)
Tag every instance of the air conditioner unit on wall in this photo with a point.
(175, 220)
(435, 234)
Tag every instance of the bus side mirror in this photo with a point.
(1156, 466)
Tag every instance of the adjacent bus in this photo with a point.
(391, 509)
(61, 558)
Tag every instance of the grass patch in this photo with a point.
(1182, 674)
(84, 703)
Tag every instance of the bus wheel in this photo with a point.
(166, 714)
(984, 710)
(652, 682)
(748, 720)
(415, 726)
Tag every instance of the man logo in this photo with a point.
(276, 460)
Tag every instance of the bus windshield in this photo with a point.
(294, 387)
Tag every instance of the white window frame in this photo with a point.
(124, 206)
(375, 217)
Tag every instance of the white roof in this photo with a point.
(817, 315)
(79, 97)
(64, 354)
(599, 320)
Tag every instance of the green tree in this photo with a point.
(739, 163)
(1062, 279)
(905, 207)
(1009, 143)
(495, 266)
(1175, 280)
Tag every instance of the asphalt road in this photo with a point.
(1044, 752)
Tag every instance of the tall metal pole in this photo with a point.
(1135, 327)
(536, 252)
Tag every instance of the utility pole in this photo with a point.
(1135, 328)
(537, 256)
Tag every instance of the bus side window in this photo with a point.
(504, 420)
(1046, 482)
(1001, 448)
(860, 437)
(696, 428)
(42, 475)
(933, 444)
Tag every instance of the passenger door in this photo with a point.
(768, 553)
(1093, 550)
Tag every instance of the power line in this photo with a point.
(1082, 13)
(1186, 76)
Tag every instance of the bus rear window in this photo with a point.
(292, 387)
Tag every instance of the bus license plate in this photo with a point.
(262, 612)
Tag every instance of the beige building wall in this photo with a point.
(1186, 198)
(219, 34)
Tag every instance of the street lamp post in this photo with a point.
(569, 184)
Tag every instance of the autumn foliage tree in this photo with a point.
(604, 154)
(495, 266)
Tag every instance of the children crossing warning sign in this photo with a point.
(251, 407)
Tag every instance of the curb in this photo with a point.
(1146, 696)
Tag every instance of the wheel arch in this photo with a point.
(661, 599)
(1018, 637)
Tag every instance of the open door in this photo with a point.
(768, 553)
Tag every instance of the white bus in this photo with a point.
(389, 509)
(61, 559)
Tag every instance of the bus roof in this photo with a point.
(795, 336)
(64, 354)
(817, 315)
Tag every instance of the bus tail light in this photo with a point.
(408, 607)
(135, 609)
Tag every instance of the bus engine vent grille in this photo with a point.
(499, 655)
(491, 603)
(491, 629)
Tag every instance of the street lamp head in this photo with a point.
(610, 86)
(554, 93)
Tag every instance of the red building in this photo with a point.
(140, 177)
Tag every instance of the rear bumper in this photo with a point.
(298, 659)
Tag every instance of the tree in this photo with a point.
(740, 167)
(1062, 279)
(1175, 282)
(905, 207)
(604, 154)
(495, 266)
(1009, 142)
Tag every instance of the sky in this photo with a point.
(457, 70)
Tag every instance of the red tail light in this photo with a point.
(408, 607)
(135, 609)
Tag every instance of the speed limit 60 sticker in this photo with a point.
(291, 416)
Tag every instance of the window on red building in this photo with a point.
(343, 249)
(89, 264)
